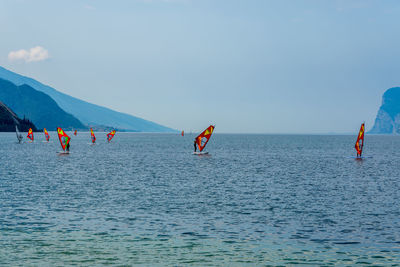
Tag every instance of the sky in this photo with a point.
(248, 66)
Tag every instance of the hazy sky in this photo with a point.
(247, 66)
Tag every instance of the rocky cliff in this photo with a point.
(37, 106)
(388, 119)
(8, 121)
(87, 113)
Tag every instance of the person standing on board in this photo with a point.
(195, 146)
(67, 147)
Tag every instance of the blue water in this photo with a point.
(145, 199)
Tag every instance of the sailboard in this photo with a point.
(93, 136)
(64, 139)
(202, 140)
(360, 141)
(110, 135)
(183, 133)
(19, 135)
(75, 132)
(46, 134)
(30, 134)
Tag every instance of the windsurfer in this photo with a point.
(67, 147)
(360, 141)
(195, 146)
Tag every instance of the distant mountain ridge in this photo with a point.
(37, 106)
(8, 121)
(87, 113)
(388, 118)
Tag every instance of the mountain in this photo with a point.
(388, 119)
(88, 113)
(8, 121)
(37, 106)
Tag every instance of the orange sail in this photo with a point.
(204, 137)
(93, 136)
(46, 134)
(64, 138)
(183, 133)
(360, 141)
(75, 132)
(110, 135)
(30, 134)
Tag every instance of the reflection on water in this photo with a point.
(146, 199)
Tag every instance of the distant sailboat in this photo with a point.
(46, 134)
(202, 140)
(19, 135)
(64, 139)
(93, 136)
(30, 134)
(110, 135)
(360, 141)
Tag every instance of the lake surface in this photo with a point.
(145, 199)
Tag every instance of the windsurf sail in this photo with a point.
(110, 135)
(75, 132)
(92, 135)
(183, 133)
(30, 134)
(46, 134)
(203, 138)
(360, 141)
(19, 135)
(64, 138)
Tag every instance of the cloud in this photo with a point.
(36, 53)
(90, 7)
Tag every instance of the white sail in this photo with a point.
(19, 135)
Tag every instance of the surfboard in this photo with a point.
(363, 157)
(200, 153)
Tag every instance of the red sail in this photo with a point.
(360, 141)
(93, 136)
(46, 134)
(30, 134)
(182, 133)
(64, 138)
(110, 135)
(204, 137)
(75, 132)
